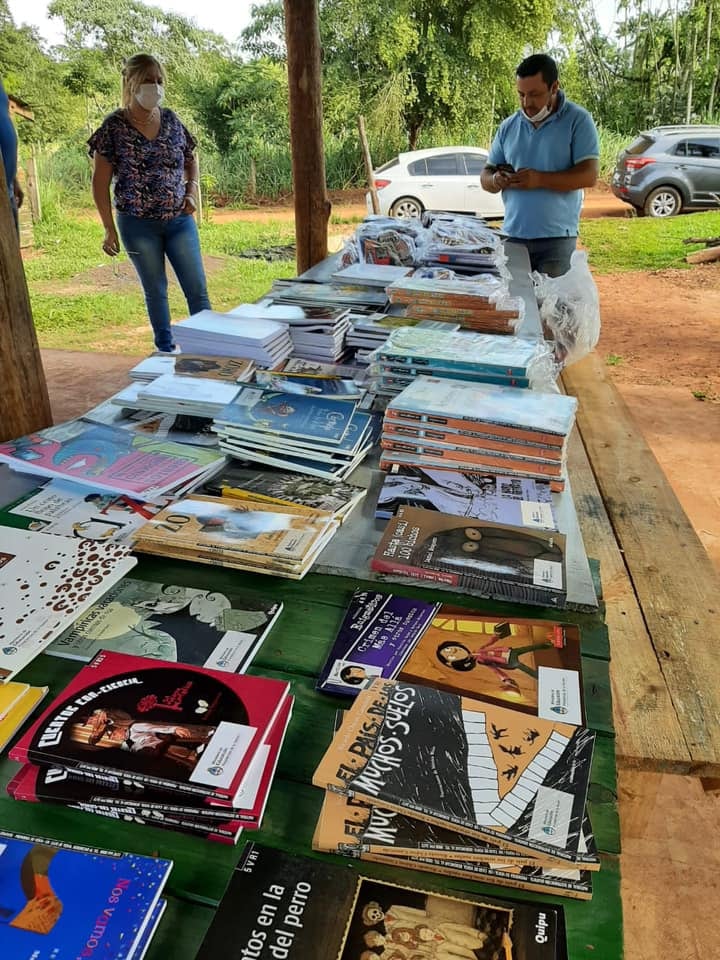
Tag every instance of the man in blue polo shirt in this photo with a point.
(8, 147)
(541, 159)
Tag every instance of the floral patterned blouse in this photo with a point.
(149, 175)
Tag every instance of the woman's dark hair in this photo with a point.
(467, 663)
(539, 63)
(347, 677)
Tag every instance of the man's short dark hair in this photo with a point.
(539, 63)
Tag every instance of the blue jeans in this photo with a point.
(147, 243)
(549, 255)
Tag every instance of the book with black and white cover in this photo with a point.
(291, 894)
(437, 756)
(169, 622)
(174, 726)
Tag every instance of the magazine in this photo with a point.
(377, 634)
(438, 756)
(169, 622)
(285, 910)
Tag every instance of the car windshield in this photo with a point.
(386, 166)
(639, 145)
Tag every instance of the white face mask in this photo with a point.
(150, 95)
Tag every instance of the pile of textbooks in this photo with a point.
(65, 901)
(179, 395)
(508, 361)
(403, 922)
(233, 369)
(319, 436)
(424, 778)
(463, 244)
(182, 747)
(319, 333)
(255, 535)
(264, 341)
(361, 299)
(111, 459)
(457, 425)
(479, 303)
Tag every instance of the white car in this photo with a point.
(440, 178)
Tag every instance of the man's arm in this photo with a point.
(581, 175)
(493, 180)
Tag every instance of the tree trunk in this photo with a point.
(26, 407)
(312, 206)
(367, 159)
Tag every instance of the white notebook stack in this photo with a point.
(206, 333)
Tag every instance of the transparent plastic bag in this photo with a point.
(569, 310)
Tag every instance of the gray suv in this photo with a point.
(669, 169)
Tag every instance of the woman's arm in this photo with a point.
(192, 185)
(102, 175)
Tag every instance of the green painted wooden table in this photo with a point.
(295, 650)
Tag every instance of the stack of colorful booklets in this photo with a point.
(316, 435)
(518, 501)
(284, 487)
(456, 425)
(266, 342)
(232, 369)
(436, 781)
(46, 582)
(475, 357)
(62, 901)
(283, 540)
(112, 459)
(171, 393)
(286, 911)
(481, 304)
(147, 741)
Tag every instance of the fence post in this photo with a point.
(369, 173)
(33, 187)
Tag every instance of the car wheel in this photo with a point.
(662, 202)
(406, 207)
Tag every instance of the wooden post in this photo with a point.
(369, 172)
(312, 206)
(25, 403)
(33, 187)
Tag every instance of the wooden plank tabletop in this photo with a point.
(661, 589)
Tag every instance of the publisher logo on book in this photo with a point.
(215, 771)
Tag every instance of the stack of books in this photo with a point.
(233, 369)
(255, 535)
(464, 244)
(404, 923)
(46, 582)
(508, 361)
(64, 900)
(433, 780)
(17, 702)
(319, 436)
(319, 333)
(113, 460)
(376, 275)
(207, 333)
(457, 425)
(176, 746)
(368, 332)
(284, 487)
(360, 299)
(172, 393)
(339, 388)
(519, 501)
(478, 304)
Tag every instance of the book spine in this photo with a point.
(416, 573)
(461, 423)
(466, 439)
(473, 456)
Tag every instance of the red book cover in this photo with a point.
(170, 725)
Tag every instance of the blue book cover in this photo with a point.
(59, 902)
(377, 635)
(273, 411)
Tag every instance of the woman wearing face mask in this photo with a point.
(150, 156)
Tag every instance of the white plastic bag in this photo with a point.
(569, 310)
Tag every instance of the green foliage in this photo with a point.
(616, 244)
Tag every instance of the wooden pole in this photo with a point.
(33, 187)
(25, 402)
(369, 172)
(312, 206)
(199, 204)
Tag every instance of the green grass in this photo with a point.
(89, 310)
(617, 244)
